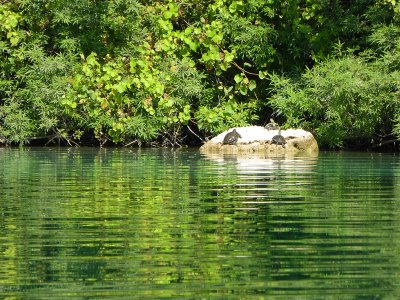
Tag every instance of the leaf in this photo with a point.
(104, 104)
(238, 78)
(197, 30)
(229, 56)
(233, 7)
(92, 59)
(12, 20)
(159, 89)
(243, 90)
(217, 38)
(168, 14)
(193, 46)
(121, 87)
(14, 40)
(252, 85)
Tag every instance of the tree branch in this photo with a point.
(243, 70)
(385, 143)
(195, 134)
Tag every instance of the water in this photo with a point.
(151, 224)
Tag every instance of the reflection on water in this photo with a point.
(121, 224)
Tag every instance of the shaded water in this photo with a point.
(125, 224)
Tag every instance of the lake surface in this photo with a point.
(151, 224)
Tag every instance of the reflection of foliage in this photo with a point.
(154, 219)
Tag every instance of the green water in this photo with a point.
(137, 224)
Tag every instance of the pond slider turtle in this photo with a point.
(272, 125)
(231, 138)
(278, 139)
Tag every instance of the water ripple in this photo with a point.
(118, 224)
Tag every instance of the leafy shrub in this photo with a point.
(152, 71)
(340, 99)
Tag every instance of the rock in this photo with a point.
(258, 140)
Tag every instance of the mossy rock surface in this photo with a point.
(258, 140)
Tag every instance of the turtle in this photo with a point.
(278, 139)
(231, 138)
(272, 125)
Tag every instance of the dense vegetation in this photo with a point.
(177, 72)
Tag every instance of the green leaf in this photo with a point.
(159, 89)
(168, 14)
(121, 87)
(12, 20)
(252, 85)
(92, 59)
(193, 45)
(238, 78)
(243, 90)
(14, 40)
(217, 37)
(229, 56)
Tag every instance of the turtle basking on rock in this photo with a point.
(278, 139)
(272, 125)
(231, 138)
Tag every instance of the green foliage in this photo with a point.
(16, 124)
(341, 99)
(124, 99)
(152, 71)
(227, 115)
(31, 82)
(9, 31)
(386, 41)
(159, 87)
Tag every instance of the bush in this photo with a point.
(342, 99)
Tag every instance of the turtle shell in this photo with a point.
(271, 126)
(278, 140)
(231, 138)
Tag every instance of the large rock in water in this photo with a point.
(258, 140)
